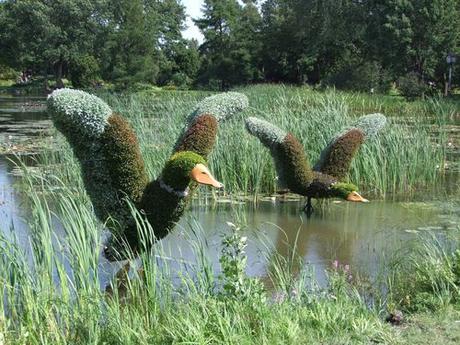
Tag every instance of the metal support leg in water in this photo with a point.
(308, 209)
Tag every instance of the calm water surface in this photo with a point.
(361, 235)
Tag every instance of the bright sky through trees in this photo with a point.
(193, 10)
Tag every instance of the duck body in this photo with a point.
(113, 169)
(326, 179)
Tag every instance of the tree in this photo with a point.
(48, 35)
(130, 55)
(248, 44)
(415, 36)
(217, 25)
(179, 60)
(306, 40)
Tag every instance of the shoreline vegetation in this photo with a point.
(45, 304)
(52, 292)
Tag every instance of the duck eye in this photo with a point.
(204, 173)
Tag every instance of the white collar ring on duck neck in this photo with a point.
(169, 189)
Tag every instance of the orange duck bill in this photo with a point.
(201, 174)
(356, 197)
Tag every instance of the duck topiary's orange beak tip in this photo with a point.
(356, 197)
(201, 174)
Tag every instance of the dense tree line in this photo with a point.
(355, 44)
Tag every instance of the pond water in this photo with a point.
(360, 235)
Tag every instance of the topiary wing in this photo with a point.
(107, 149)
(200, 132)
(291, 163)
(336, 158)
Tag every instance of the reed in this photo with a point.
(53, 292)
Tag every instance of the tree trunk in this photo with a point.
(58, 75)
(45, 82)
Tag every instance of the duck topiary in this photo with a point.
(327, 178)
(113, 168)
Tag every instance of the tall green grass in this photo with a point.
(52, 292)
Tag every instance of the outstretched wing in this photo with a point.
(107, 149)
(336, 158)
(200, 133)
(288, 153)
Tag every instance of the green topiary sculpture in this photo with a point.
(113, 169)
(325, 179)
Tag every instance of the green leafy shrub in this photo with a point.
(8, 73)
(411, 86)
(363, 77)
(84, 71)
(233, 261)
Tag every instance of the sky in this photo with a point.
(193, 10)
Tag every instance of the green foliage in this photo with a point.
(56, 298)
(430, 278)
(7, 73)
(364, 77)
(49, 35)
(84, 71)
(412, 86)
(416, 36)
(233, 260)
(456, 266)
(230, 54)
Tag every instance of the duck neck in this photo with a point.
(180, 192)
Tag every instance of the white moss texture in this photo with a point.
(370, 124)
(77, 113)
(267, 133)
(221, 106)
(82, 119)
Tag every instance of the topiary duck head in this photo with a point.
(346, 191)
(184, 168)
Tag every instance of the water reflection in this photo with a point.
(359, 235)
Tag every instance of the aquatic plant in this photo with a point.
(380, 168)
